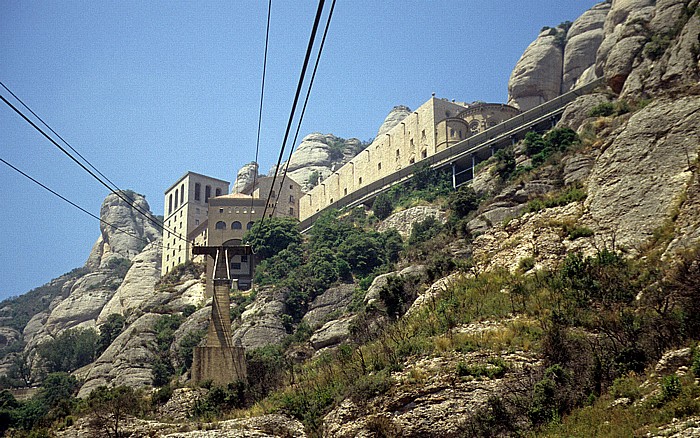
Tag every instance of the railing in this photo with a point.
(485, 140)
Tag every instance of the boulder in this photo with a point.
(536, 77)
(577, 112)
(333, 301)
(332, 333)
(372, 295)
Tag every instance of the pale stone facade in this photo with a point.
(434, 126)
(186, 208)
(286, 193)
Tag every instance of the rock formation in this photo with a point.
(245, 178)
(395, 116)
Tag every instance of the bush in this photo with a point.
(110, 330)
(70, 350)
(382, 206)
(110, 406)
(604, 109)
(463, 201)
(273, 235)
(424, 230)
(670, 388)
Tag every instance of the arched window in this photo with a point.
(236, 226)
(221, 225)
(197, 190)
(182, 194)
(170, 203)
(177, 198)
(249, 226)
(218, 191)
(207, 193)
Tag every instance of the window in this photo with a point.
(424, 153)
(170, 203)
(244, 259)
(197, 190)
(221, 225)
(412, 144)
(398, 153)
(452, 132)
(291, 198)
(182, 194)
(207, 193)
(221, 210)
(379, 166)
(196, 221)
(331, 200)
(460, 133)
(345, 191)
(291, 211)
(236, 266)
(218, 191)
(291, 187)
(236, 226)
(272, 194)
(177, 197)
(360, 180)
(412, 160)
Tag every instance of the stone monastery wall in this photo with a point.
(434, 126)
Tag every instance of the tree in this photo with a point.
(70, 350)
(463, 201)
(110, 330)
(382, 206)
(110, 406)
(271, 235)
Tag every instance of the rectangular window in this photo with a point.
(360, 180)
(221, 210)
(345, 191)
(379, 166)
(197, 191)
(291, 211)
(236, 266)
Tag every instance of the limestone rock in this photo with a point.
(536, 77)
(127, 361)
(332, 333)
(244, 180)
(687, 223)
(137, 287)
(260, 322)
(181, 403)
(582, 42)
(118, 213)
(434, 291)
(639, 178)
(333, 301)
(577, 168)
(402, 221)
(395, 116)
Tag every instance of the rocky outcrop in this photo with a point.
(402, 221)
(261, 322)
(137, 288)
(372, 295)
(582, 42)
(333, 301)
(578, 112)
(128, 231)
(332, 333)
(319, 154)
(638, 181)
(536, 77)
(245, 178)
(127, 361)
(395, 116)
(428, 399)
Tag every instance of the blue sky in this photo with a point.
(149, 90)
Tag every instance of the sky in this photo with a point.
(148, 90)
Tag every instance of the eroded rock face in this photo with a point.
(245, 178)
(402, 221)
(577, 112)
(137, 288)
(395, 116)
(127, 361)
(333, 301)
(332, 333)
(261, 322)
(428, 401)
(582, 42)
(117, 212)
(536, 77)
(321, 153)
(638, 180)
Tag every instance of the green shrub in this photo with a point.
(603, 109)
(580, 231)
(670, 387)
(69, 350)
(626, 387)
(424, 230)
(382, 206)
(110, 330)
